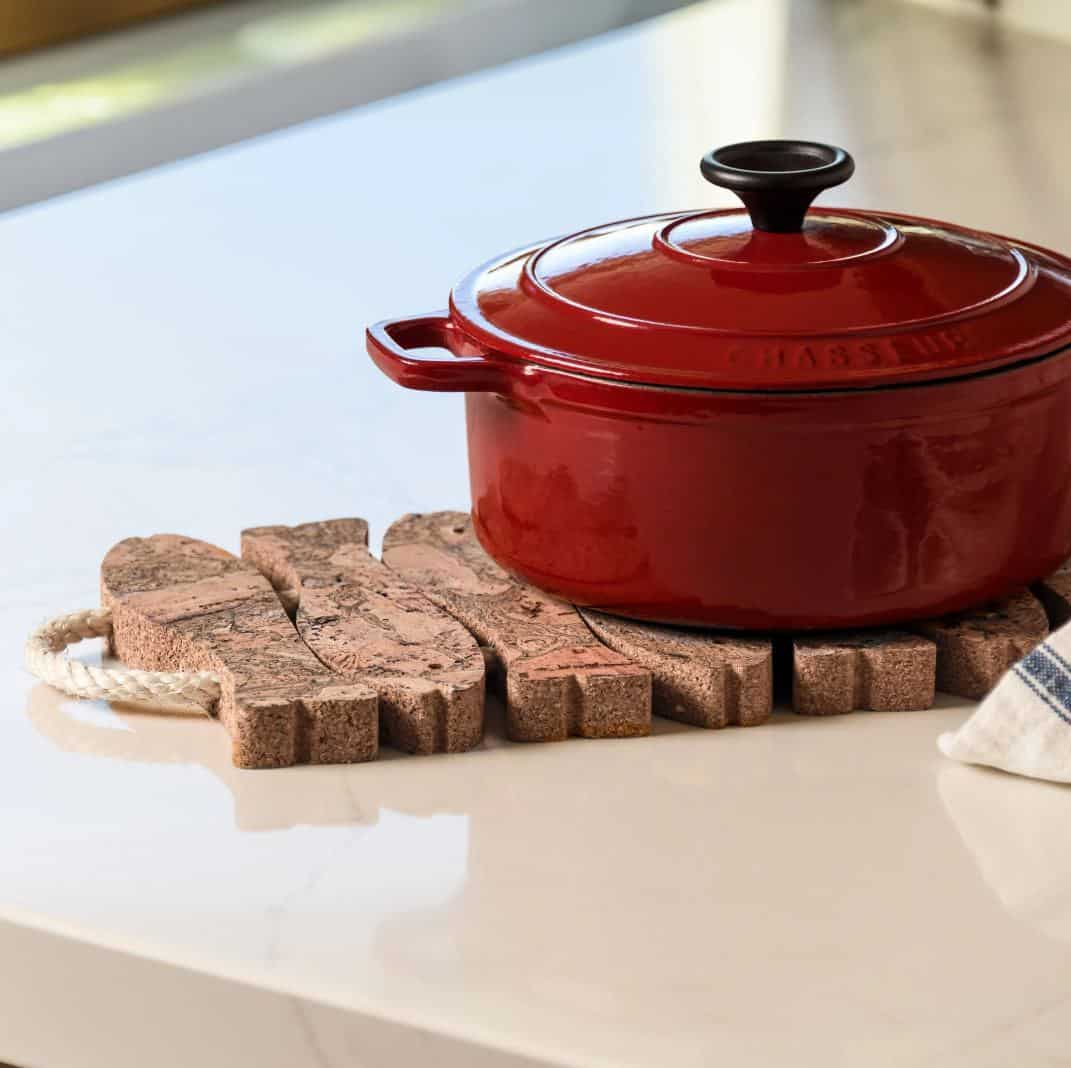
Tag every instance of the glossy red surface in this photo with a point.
(771, 512)
(703, 300)
(683, 418)
(762, 511)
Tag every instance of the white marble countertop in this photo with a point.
(182, 352)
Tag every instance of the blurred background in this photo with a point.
(94, 89)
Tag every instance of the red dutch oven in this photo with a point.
(763, 419)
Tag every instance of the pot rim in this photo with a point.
(533, 367)
(475, 368)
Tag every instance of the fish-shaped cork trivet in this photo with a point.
(367, 623)
(1055, 594)
(883, 671)
(701, 678)
(179, 604)
(560, 679)
(975, 648)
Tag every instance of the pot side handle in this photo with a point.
(389, 343)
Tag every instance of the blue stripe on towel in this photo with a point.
(1049, 679)
(1057, 656)
(1054, 676)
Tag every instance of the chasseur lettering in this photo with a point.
(877, 352)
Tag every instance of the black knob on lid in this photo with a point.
(777, 180)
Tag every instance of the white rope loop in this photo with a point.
(45, 659)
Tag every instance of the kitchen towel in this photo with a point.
(1024, 725)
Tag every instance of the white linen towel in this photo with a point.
(1024, 725)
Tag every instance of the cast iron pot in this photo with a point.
(763, 419)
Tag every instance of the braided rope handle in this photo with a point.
(44, 658)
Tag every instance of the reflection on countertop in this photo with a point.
(778, 863)
(263, 800)
(1017, 831)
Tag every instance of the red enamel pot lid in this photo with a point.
(774, 297)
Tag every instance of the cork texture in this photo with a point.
(181, 605)
(975, 648)
(882, 671)
(698, 677)
(559, 679)
(365, 622)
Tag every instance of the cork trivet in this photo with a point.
(698, 677)
(365, 622)
(182, 605)
(1054, 593)
(883, 671)
(560, 680)
(975, 648)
